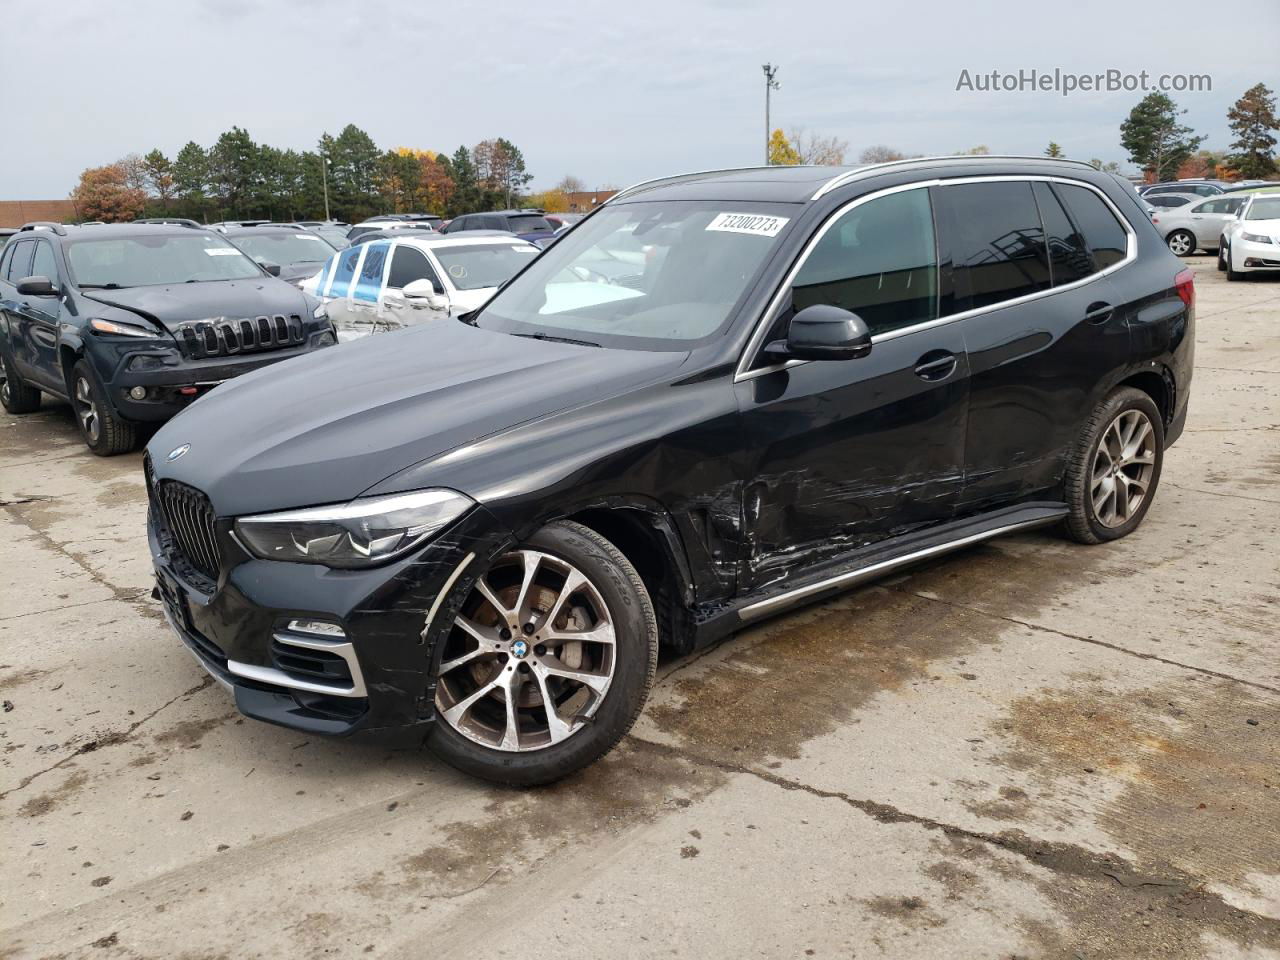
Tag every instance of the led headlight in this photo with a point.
(1254, 237)
(120, 329)
(362, 533)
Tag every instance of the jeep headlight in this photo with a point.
(362, 533)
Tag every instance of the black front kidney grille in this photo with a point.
(191, 524)
(228, 337)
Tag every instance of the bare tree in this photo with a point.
(814, 148)
(135, 172)
(880, 154)
(571, 184)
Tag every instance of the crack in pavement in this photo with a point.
(1091, 640)
(107, 739)
(1055, 856)
(1219, 493)
(61, 606)
(131, 595)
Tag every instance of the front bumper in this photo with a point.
(1249, 255)
(376, 675)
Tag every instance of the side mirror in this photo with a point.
(423, 293)
(36, 287)
(823, 332)
(271, 268)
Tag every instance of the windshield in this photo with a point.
(649, 276)
(335, 235)
(528, 224)
(284, 248)
(157, 259)
(1264, 208)
(484, 265)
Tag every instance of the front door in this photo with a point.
(39, 318)
(844, 453)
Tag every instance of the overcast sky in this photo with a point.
(612, 93)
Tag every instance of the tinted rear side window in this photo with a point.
(44, 264)
(1102, 231)
(1069, 257)
(992, 236)
(878, 261)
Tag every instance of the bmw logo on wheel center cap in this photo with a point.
(519, 649)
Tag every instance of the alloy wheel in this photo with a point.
(87, 410)
(530, 657)
(4, 390)
(1123, 466)
(1180, 243)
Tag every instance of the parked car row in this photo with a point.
(132, 322)
(1202, 224)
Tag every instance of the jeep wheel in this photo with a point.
(15, 393)
(548, 662)
(1181, 242)
(105, 432)
(1112, 475)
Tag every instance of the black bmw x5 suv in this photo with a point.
(131, 322)
(719, 396)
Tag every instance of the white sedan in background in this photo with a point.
(389, 284)
(1251, 242)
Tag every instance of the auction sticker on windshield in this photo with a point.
(221, 251)
(752, 223)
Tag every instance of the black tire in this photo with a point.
(1186, 235)
(1222, 258)
(113, 434)
(1232, 274)
(1083, 524)
(16, 394)
(635, 662)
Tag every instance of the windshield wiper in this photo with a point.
(103, 286)
(549, 337)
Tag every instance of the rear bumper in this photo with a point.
(372, 672)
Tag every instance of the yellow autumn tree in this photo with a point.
(781, 151)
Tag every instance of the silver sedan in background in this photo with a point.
(1197, 226)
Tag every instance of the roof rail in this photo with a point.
(697, 173)
(173, 222)
(50, 225)
(850, 175)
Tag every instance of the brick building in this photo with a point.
(14, 213)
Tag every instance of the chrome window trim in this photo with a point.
(765, 320)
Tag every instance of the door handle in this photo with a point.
(1098, 312)
(936, 365)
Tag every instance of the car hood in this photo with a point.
(1269, 228)
(179, 303)
(325, 427)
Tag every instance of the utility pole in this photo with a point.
(324, 180)
(770, 84)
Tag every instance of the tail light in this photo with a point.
(1185, 282)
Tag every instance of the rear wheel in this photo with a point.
(1113, 472)
(16, 394)
(105, 432)
(549, 660)
(1181, 242)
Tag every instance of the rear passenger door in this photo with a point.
(1041, 325)
(1209, 217)
(16, 265)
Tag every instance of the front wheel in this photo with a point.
(1113, 472)
(1222, 257)
(548, 662)
(1181, 242)
(105, 432)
